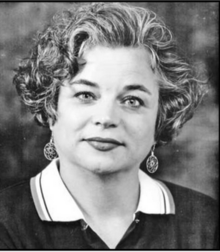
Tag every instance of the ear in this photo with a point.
(51, 123)
(154, 144)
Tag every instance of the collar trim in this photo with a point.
(54, 202)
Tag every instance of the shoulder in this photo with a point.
(14, 190)
(191, 200)
(196, 214)
(14, 200)
(196, 217)
(16, 213)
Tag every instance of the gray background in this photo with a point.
(191, 160)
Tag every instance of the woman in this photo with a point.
(106, 80)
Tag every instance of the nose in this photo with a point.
(106, 115)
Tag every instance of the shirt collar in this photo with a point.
(54, 202)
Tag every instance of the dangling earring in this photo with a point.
(50, 150)
(152, 162)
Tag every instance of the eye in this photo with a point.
(85, 97)
(133, 101)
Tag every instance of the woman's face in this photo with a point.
(107, 112)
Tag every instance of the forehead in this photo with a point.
(106, 54)
(119, 62)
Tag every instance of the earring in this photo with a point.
(152, 162)
(50, 150)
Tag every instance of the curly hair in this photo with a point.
(53, 59)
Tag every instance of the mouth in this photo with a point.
(103, 144)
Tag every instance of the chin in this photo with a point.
(103, 169)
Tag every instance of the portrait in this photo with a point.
(109, 125)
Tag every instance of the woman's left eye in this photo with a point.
(133, 101)
(85, 96)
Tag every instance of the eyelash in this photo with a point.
(141, 103)
(85, 93)
(93, 97)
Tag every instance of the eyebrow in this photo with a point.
(84, 82)
(137, 87)
(131, 87)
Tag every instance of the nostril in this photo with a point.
(104, 121)
(106, 115)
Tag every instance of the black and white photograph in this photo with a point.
(109, 125)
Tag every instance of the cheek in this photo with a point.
(71, 120)
(143, 127)
(141, 141)
(144, 134)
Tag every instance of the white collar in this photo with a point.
(54, 202)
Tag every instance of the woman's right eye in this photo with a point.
(85, 97)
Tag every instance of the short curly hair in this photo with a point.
(53, 59)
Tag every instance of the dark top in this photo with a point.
(194, 226)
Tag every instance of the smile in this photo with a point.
(103, 144)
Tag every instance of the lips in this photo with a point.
(103, 144)
(104, 140)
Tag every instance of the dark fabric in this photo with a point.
(194, 226)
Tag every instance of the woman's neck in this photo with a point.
(102, 195)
